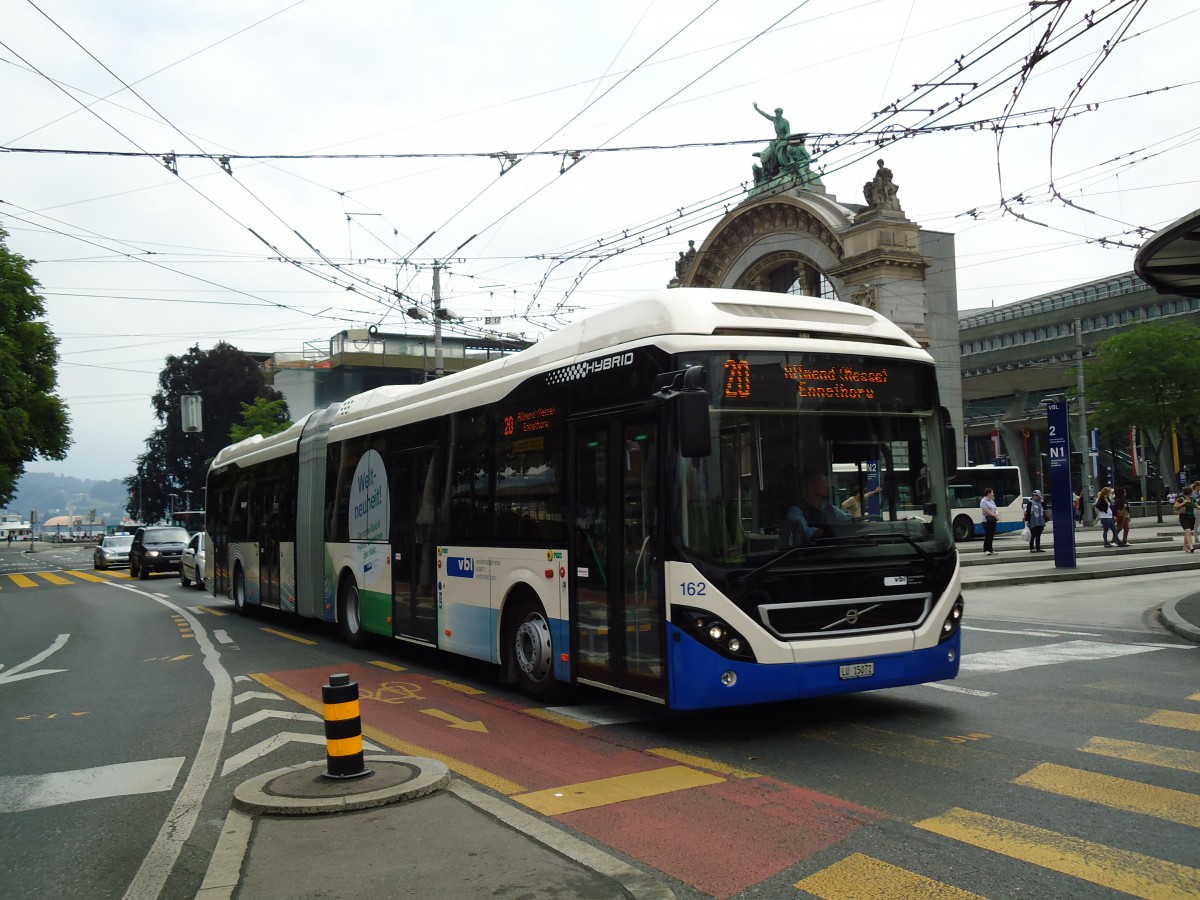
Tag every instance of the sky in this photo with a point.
(271, 172)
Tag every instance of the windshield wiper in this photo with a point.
(891, 537)
(748, 581)
(753, 577)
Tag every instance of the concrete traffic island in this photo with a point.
(304, 790)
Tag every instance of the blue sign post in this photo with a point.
(1062, 503)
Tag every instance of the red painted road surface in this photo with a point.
(719, 838)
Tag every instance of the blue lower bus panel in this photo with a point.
(698, 674)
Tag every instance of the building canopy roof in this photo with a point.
(1170, 261)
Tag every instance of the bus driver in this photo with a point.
(815, 515)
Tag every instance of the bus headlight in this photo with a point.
(953, 621)
(712, 632)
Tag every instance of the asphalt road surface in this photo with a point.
(1062, 762)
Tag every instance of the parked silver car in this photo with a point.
(191, 567)
(113, 550)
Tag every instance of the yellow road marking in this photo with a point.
(86, 576)
(290, 637)
(54, 579)
(861, 877)
(465, 769)
(211, 611)
(181, 656)
(619, 788)
(461, 688)
(701, 762)
(387, 665)
(1195, 696)
(1116, 793)
(924, 751)
(1169, 719)
(1121, 870)
(557, 718)
(1167, 757)
(22, 581)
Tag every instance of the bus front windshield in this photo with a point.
(833, 477)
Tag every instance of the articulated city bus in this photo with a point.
(637, 502)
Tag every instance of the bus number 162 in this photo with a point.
(692, 588)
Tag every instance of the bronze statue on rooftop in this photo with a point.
(786, 158)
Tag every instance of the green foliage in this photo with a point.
(174, 462)
(1147, 377)
(263, 416)
(33, 422)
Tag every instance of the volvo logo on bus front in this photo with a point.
(589, 367)
(852, 617)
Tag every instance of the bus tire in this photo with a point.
(964, 529)
(350, 614)
(530, 644)
(239, 592)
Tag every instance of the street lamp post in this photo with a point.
(171, 506)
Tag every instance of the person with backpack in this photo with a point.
(1185, 505)
(1121, 517)
(1035, 519)
(1105, 510)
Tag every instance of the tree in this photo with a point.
(33, 422)
(1146, 377)
(226, 379)
(263, 416)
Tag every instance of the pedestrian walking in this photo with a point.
(1107, 522)
(1035, 521)
(991, 515)
(1185, 505)
(1121, 516)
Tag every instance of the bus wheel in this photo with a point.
(350, 614)
(239, 592)
(964, 529)
(532, 647)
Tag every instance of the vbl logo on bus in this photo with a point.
(460, 567)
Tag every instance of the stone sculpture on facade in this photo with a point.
(786, 158)
(880, 191)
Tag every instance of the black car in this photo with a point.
(156, 548)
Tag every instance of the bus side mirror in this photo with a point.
(949, 444)
(686, 393)
(691, 417)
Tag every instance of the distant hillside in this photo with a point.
(58, 495)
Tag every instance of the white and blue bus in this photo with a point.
(966, 490)
(612, 507)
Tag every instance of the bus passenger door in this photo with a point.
(414, 550)
(615, 554)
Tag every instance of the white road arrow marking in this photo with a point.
(255, 695)
(263, 714)
(271, 744)
(13, 674)
(997, 661)
(21, 792)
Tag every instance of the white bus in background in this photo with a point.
(966, 490)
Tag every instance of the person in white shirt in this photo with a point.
(991, 515)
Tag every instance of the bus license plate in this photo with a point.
(858, 670)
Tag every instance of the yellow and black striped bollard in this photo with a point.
(343, 729)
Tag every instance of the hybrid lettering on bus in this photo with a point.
(616, 506)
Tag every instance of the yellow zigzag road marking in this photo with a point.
(1115, 793)
(860, 877)
(1122, 870)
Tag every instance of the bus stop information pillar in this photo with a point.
(1062, 503)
